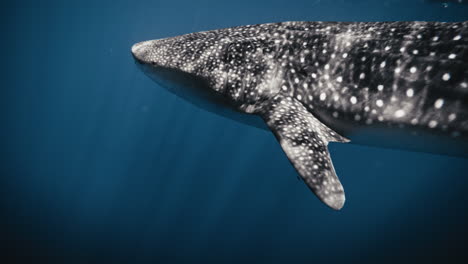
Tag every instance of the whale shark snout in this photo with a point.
(172, 52)
(142, 50)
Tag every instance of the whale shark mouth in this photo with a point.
(144, 51)
(140, 49)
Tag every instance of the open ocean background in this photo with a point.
(101, 165)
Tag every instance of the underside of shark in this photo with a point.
(390, 84)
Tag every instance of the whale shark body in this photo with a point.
(390, 84)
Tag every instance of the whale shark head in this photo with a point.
(240, 67)
(166, 65)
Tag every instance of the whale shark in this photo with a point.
(391, 84)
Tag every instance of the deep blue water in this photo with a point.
(101, 165)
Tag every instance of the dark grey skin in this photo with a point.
(392, 84)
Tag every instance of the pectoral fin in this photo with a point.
(304, 139)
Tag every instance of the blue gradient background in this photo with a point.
(101, 165)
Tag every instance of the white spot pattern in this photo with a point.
(394, 73)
